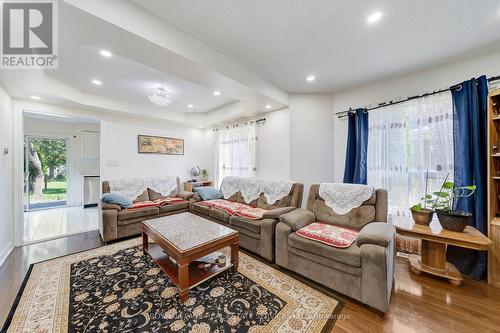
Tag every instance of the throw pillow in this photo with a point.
(208, 192)
(117, 199)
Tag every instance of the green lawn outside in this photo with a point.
(56, 190)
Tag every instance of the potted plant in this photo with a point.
(420, 213)
(204, 174)
(445, 205)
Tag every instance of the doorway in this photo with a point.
(45, 172)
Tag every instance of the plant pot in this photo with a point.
(422, 216)
(453, 220)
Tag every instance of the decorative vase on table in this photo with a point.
(423, 216)
(453, 220)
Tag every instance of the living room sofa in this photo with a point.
(255, 235)
(116, 222)
(364, 270)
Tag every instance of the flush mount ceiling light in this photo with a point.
(310, 78)
(216, 93)
(96, 82)
(160, 96)
(106, 53)
(35, 97)
(190, 106)
(268, 106)
(374, 17)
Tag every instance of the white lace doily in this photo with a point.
(342, 198)
(131, 188)
(252, 187)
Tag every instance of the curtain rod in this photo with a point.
(256, 121)
(342, 114)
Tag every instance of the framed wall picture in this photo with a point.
(149, 144)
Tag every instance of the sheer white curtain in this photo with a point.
(237, 151)
(406, 140)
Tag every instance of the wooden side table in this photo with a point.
(434, 240)
(189, 185)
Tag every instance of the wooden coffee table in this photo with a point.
(434, 240)
(181, 239)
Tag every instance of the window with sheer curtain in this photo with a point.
(237, 151)
(406, 140)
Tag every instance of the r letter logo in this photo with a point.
(29, 34)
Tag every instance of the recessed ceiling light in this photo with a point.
(374, 17)
(96, 82)
(190, 106)
(106, 53)
(268, 106)
(35, 97)
(200, 126)
(217, 93)
(310, 78)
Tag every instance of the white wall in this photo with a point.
(274, 145)
(311, 139)
(120, 158)
(77, 167)
(434, 78)
(6, 176)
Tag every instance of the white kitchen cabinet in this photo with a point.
(90, 145)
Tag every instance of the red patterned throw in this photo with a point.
(329, 234)
(235, 208)
(251, 213)
(156, 203)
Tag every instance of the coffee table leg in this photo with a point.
(144, 242)
(234, 256)
(183, 275)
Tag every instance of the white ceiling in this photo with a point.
(286, 40)
(129, 81)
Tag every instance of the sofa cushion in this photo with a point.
(329, 234)
(128, 214)
(356, 218)
(196, 207)
(313, 258)
(174, 206)
(283, 202)
(219, 214)
(143, 197)
(153, 195)
(349, 256)
(252, 225)
(251, 213)
(116, 199)
(208, 192)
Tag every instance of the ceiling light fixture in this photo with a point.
(35, 97)
(268, 106)
(96, 82)
(160, 96)
(310, 78)
(190, 106)
(374, 17)
(216, 93)
(106, 53)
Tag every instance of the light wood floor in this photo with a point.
(419, 303)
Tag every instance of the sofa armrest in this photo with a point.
(277, 212)
(185, 195)
(108, 206)
(377, 233)
(298, 218)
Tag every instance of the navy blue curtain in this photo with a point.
(357, 147)
(470, 142)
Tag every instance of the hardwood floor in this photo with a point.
(420, 303)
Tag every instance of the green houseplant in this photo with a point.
(420, 212)
(204, 174)
(445, 203)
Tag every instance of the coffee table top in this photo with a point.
(186, 231)
(470, 238)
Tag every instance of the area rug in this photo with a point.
(116, 288)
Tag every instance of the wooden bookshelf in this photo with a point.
(494, 186)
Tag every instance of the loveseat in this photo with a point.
(116, 222)
(256, 235)
(364, 270)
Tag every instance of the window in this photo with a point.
(406, 140)
(237, 151)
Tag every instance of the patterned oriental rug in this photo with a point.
(116, 288)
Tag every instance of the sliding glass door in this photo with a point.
(45, 172)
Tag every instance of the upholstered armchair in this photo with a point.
(364, 270)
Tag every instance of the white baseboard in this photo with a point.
(5, 252)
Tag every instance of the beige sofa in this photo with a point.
(116, 222)
(364, 270)
(255, 235)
